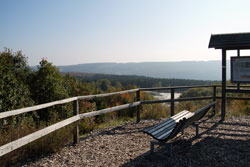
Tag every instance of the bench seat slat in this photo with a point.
(167, 121)
(163, 128)
(152, 127)
(164, 134)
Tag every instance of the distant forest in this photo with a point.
(138, 81)
(195, 70)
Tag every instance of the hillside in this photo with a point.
(139, 81)
(198, 70)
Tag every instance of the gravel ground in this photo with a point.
(219, 144)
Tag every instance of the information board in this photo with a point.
(240, 69)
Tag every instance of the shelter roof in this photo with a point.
(230, 41)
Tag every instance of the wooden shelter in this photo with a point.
(234, 41)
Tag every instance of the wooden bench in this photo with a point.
(170, 127)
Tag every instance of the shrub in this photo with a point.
(154, 111)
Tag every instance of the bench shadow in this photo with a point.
(218, 145)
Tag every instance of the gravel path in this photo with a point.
(220, 144)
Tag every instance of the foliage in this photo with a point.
(197, 92)
(139, 81)
(14, 72)
(14, 91)
(194, 92)
(74, 87)
(47, 85)
(154, 111)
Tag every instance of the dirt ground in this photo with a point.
(219, 144)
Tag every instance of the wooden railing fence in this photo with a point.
(4, 149)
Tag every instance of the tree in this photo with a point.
(75, 87)
(14, 91)
(14, 72)
(47, 85)
(105, 85)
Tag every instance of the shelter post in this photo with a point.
(238, 55)
(223, 90)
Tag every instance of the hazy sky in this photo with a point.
(77, 31)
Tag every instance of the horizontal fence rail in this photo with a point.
(64, 101)
(176, 87)
(34, 108)
(107, 110)
(36, 135)
(177, 100)
(106, 94)
(77, 117)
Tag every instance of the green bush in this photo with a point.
(154, 111)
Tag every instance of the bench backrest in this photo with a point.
(188, 121)
(174, 119)
(165, 128)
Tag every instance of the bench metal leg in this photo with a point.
(196, 129)
(168, 145)
(152, 144)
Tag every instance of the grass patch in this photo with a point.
(116, 122)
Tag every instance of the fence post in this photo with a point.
(172, 102)
(76, 129)
(214, 98)
(138, 108)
